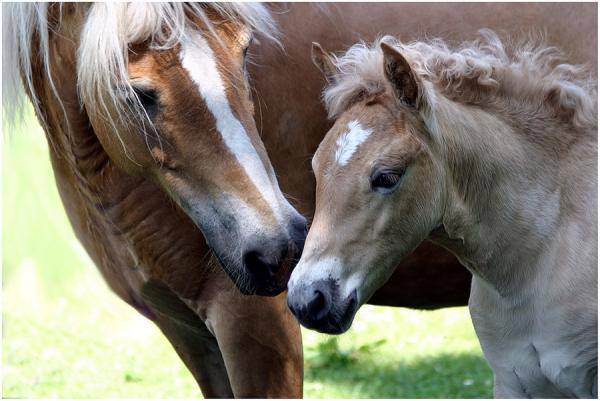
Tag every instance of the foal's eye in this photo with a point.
(148, 99)
(386, 181)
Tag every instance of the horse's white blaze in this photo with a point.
(199, 60)
(348, 142)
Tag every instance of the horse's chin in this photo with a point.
(250, 289)
(245, 284)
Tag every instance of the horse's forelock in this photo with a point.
(108, 31)
(111, 27)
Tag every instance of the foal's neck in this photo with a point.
(503, 194)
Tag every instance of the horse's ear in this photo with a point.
(324, 62)
(400, 74)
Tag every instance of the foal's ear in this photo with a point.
(324, 62)
(398, 71)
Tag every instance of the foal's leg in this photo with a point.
(259, 339)
(190, 337)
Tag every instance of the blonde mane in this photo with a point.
(108, 31)
(475, 72)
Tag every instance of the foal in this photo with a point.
(489, 152)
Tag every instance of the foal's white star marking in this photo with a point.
(348, 142)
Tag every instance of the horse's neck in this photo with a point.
(121, 220)
(506, 195)
(73, 142)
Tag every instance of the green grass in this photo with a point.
(66, 335)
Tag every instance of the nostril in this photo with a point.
(259, 265)
(318, 301)
(317, 306)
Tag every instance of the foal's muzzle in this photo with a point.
(319, 306)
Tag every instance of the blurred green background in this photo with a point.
(66, 335)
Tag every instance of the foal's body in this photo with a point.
(487, 150)
(530, 242)
(154, 258)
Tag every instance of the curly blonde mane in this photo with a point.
(475, 72)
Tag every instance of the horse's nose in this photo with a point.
(261, 265)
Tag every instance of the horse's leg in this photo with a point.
(259, 339)
(199, 350)
(190, 337)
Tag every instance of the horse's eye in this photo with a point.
(148, 99)
(245, 58)
(386, 181)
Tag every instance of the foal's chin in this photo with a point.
(340, 326)
(337, 323)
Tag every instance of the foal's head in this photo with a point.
(166, 91)
(404, 158)
(376, 186)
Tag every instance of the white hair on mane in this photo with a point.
(20, 21)
(474, 72)
(108, 31)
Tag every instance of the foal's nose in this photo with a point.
(320, 306)
(310, 304)
(316, 308)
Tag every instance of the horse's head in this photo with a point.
(378, 192)
(168, 97)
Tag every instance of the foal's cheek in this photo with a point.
(383, 221)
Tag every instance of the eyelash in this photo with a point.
(386, 181)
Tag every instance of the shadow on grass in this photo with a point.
(366, 372)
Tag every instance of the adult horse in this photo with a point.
(148, 249)
(156, 156)
(487, 150)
